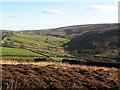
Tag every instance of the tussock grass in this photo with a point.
(57, 63)
(57, 75)
(14, 62)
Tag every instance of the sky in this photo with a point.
(45, 15)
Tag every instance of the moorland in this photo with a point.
(91, 54)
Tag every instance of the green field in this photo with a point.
(17, 51)
(39, 39)
(18, 54)
(21, 46)
(18, 58)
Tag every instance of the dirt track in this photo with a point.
(58, 76)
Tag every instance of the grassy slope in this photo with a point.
(19, 54)
(40, 44)
(17, 51)
(101, 44)
(74, 31)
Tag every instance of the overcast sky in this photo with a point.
(44, 15)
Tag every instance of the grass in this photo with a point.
(17, 51)
(18, 58)
(18, 54)
(37, 43)
(22, 54)
(45, 40)
(58, 59)
(14, 62)
(108, 53)
(64, 65)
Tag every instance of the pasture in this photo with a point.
(18, 54)
(40, 44)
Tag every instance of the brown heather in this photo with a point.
(24, 75)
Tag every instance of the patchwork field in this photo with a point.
(89, 43)
(32, 46)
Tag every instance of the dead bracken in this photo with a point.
(58, 75)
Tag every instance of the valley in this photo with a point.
(86, 43)
(81, 56)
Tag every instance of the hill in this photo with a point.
(73, 31)
(49, 47)
(92, 42)
(101, 44)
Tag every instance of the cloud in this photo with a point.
(53, 12)
(5, 15)
(103, 8)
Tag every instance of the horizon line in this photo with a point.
(54, 27)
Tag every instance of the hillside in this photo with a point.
(17, 53)
(45, 46)
(92, 42)
(73, 31)
(78, 57)
(100, 44)
(25, 76)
